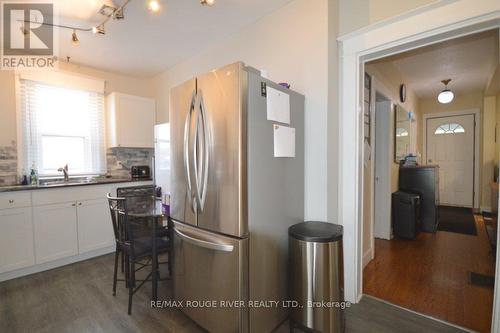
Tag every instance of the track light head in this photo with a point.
(99, 29)
(154, 5)
(118, 14)
(74, 38)
(207, 2)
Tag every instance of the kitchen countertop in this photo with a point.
(12, 188)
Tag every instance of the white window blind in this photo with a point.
(62, 126)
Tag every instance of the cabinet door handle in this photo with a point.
(73, 204)
(79, 204)
(11, 201)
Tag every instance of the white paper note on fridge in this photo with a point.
(284, 141)
(278, 106)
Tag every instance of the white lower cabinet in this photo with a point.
(95, 230)
(55, 229)
(44, 229)
(16, 239)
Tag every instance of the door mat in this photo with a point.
(457, 219)
(481, 280)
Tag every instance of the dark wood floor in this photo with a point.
(430, 275)
(77, 298)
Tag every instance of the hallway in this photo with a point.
(430, 275)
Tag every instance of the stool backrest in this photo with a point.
(119, 212)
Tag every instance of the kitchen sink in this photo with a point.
(60, 181)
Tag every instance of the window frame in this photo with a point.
(457, 129)
(97, 167)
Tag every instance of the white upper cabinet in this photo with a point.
(130, 121)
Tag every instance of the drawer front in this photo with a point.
(15, 199)
(70, 194)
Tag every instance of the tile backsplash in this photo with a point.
(120, 160)
(8, 164)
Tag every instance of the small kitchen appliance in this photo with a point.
(140, 172)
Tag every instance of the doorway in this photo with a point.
(457, 18)
(429, 258)
(451, 144)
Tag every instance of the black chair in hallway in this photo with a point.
(134, 242)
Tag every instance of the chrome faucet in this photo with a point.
(64, 170)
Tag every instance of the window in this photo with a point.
(450, 128)
(62, 126)
(400, 132)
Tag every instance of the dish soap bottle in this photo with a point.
(33, 175)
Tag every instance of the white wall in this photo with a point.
(291, 44)
(113, 82)
(333, 114)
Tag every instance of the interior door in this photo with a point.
(211, 268)
(450, 144)
(383, 162)
(182, 99)
(221, 152)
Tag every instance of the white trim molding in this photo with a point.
(435, 24)
(477, 144)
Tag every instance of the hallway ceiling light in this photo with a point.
(446, 96)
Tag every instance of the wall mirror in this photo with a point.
(402, 133)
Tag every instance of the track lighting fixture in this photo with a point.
(74, 38)
(110, 12)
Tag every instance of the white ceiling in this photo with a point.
(469, 61)
(145, 43)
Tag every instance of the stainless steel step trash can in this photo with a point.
(316, 274)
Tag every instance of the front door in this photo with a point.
(450, 144)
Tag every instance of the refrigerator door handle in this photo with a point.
(204, 243)
(187, 169)
(201, 171)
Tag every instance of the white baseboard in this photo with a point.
(54, 264)
(368, 256)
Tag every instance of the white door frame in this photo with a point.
(477, 143)
(437, 22)
(377, 87)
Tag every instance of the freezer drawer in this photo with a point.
(211, 267)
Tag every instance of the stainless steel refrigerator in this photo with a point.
(232, 200)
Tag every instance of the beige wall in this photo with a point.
(356, 14)
(291, 44)
(460, 103)
(489, 152)
(497, 155)
(333, 114)
(7, 108)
